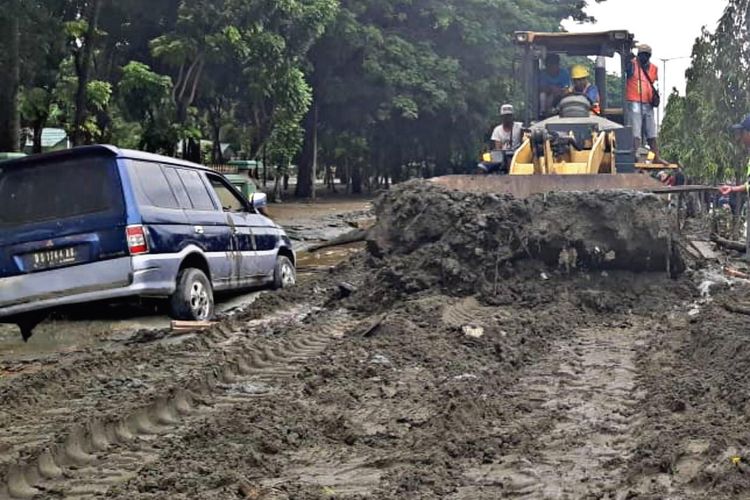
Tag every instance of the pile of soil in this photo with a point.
(427, 236)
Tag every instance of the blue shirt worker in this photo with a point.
(554, 82)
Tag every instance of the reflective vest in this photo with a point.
(638, 88)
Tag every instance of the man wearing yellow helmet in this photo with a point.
(581, 85)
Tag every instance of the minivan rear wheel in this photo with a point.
(284, 274)
(193, 299)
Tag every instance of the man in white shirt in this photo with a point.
(508, 134)
(506, 138)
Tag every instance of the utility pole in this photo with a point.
(665, 92)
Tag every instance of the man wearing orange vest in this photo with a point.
(642, 97)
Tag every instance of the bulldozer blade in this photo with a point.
(523, 186)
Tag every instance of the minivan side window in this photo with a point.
(230, 202)
(177, 187)
(152, 188)
(196, 190)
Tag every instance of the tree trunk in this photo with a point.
(9, 79)
(357, 179)
(265, 168)
(37, 138)
(315, 151)
(276, 194)
(217, 158)
(83, 67)
(214, 117)
(308, 157)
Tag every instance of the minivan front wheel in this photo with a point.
(284, 274)
(193, 299)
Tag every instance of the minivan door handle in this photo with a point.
(199, 230)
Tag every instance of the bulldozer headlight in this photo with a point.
(522, 37)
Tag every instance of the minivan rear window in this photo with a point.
(39, 192)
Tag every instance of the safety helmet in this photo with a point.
(579, 71)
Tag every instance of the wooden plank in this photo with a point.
(705, 250)
(735, 273)
(183, 326)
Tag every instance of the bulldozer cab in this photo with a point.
(574, 149)
(534, 48)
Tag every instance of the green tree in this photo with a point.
(696, 129)
(418, 81)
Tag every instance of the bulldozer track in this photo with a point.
(58, 453)
(582, 401)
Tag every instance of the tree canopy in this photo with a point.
(696, 128)
(382, 89)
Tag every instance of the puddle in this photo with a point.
(326, 258)
(70, 335)
(294, 213)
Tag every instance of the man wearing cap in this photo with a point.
(506, 138)
(642, 97)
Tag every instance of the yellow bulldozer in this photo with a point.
(574, 149)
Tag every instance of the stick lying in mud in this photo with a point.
(736, 308)
(350, 237)
(725, 243)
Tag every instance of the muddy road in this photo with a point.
(412, 370)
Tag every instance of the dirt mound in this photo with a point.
(428, 236)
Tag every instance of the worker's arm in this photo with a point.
(725, 190)
(629, 67)
(498, 145)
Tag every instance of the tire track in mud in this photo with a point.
(578, 413)
(56, 396)
(82, 459)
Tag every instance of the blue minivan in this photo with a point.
(101, 223)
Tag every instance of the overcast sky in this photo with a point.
(669, 26)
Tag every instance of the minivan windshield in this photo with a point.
(38, 192)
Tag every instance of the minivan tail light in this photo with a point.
(137, 243)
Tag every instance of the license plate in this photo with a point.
(54, 258)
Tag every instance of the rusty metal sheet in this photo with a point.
(524, 186)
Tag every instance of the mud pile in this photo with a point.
(428, 236)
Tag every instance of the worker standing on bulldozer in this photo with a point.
(642, 97)
(581, 85)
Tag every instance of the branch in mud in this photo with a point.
(736, 308)
(729, 244)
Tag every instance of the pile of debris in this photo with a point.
(427, 236)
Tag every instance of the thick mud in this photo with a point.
(420, 369)
(466, 242)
